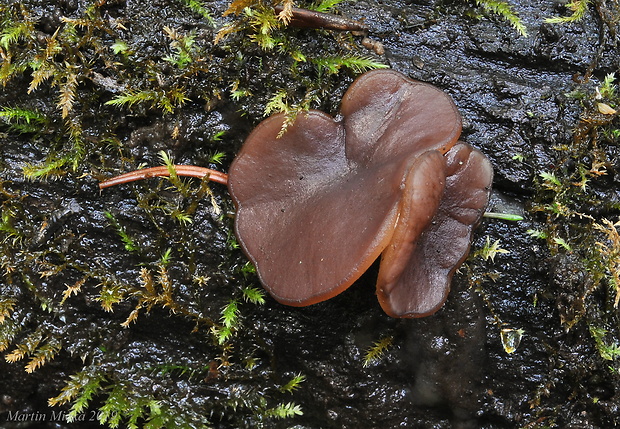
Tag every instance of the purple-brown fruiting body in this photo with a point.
(317, 206)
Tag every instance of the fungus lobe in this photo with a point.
(316, 206)
(433, 236)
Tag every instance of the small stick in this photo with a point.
(304, 18)
(162, 171)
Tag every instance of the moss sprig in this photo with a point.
(23, 121)
(129, 243)
(505, 11)
(198, 6)
(377, 350)
(165, 99)
(39, 348)
(578, 9)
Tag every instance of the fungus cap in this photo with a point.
(316, 206)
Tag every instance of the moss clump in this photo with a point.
(580, 230)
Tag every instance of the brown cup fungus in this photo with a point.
(319, 204)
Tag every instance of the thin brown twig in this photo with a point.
(162, 171)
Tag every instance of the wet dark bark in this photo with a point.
(447, 370)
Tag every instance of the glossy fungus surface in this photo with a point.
(316, 206)
(433, 233)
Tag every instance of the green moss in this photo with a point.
(581, 233)
(578, 9)
(22, 121)
(378, 350)
(490, 250)
(55, 61)
(504, 11)
(198, 7)
(130, 245)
